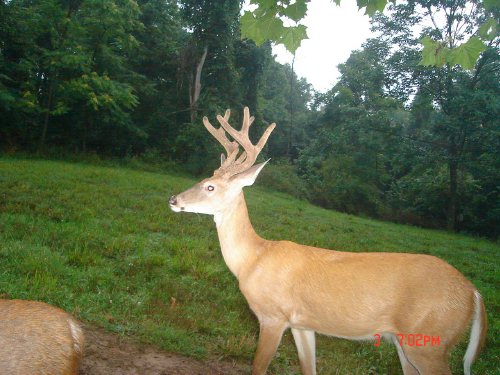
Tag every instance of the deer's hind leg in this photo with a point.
(408, 367)
(428, 360)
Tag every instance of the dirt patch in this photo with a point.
(110, 354)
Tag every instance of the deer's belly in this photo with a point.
(323, 313)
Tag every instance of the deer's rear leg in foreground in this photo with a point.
(429, 361)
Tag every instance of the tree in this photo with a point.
(452, 107)
(105, 97)
(284, 99)
(68, 59)
(348, 161)
(265, 23)
(163, 99)
(210, 55)
(37, 54)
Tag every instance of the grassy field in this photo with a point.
(102, 243)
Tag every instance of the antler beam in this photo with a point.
(231, 165)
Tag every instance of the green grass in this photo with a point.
(102, 243)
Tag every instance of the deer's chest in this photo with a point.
(268, 293)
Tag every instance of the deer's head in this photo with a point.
(214, 194)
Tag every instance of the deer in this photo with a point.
(38, 339)
(351, 295)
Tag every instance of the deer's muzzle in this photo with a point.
(174, 204)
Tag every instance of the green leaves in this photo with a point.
(436, 53)
(251, 28)
(439, 53)
(488, 30)
(372, 6)
(491, 4)
(293, 36)
(267, 27)
(467, 53)
(266, 23)
(295, 11)
(271, 25)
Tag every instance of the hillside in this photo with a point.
(102, 243)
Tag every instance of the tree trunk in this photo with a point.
(195, 87)
(453, 202)
(84, 138)
(290, 130)
(86, 126)
(46, 117)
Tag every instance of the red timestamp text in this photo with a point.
(411, 339)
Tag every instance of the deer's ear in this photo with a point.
(248, 177)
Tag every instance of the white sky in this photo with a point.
(334, 31)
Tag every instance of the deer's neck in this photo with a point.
(239, 243)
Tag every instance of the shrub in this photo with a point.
(282, 176)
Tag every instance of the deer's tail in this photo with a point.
(477, 334)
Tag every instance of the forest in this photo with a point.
(393, 139)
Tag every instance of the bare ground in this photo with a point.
(110, 354)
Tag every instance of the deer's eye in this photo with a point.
(210, 188)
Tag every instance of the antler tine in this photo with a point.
(251, 151)
(251, 155)
(247, 121)
(239, 136)
(265, 136)
(220, 134)
(260, 144)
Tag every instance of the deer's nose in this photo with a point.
(173, 200)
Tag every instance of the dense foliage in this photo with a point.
(392, 139)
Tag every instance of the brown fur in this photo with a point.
(350, 295)
(38, 339)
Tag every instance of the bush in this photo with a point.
(282, 176)
(342, 184)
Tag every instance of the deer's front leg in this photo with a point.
(306, 347)
(269, 339)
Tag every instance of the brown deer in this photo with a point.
(405, 298)
(38, 339)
